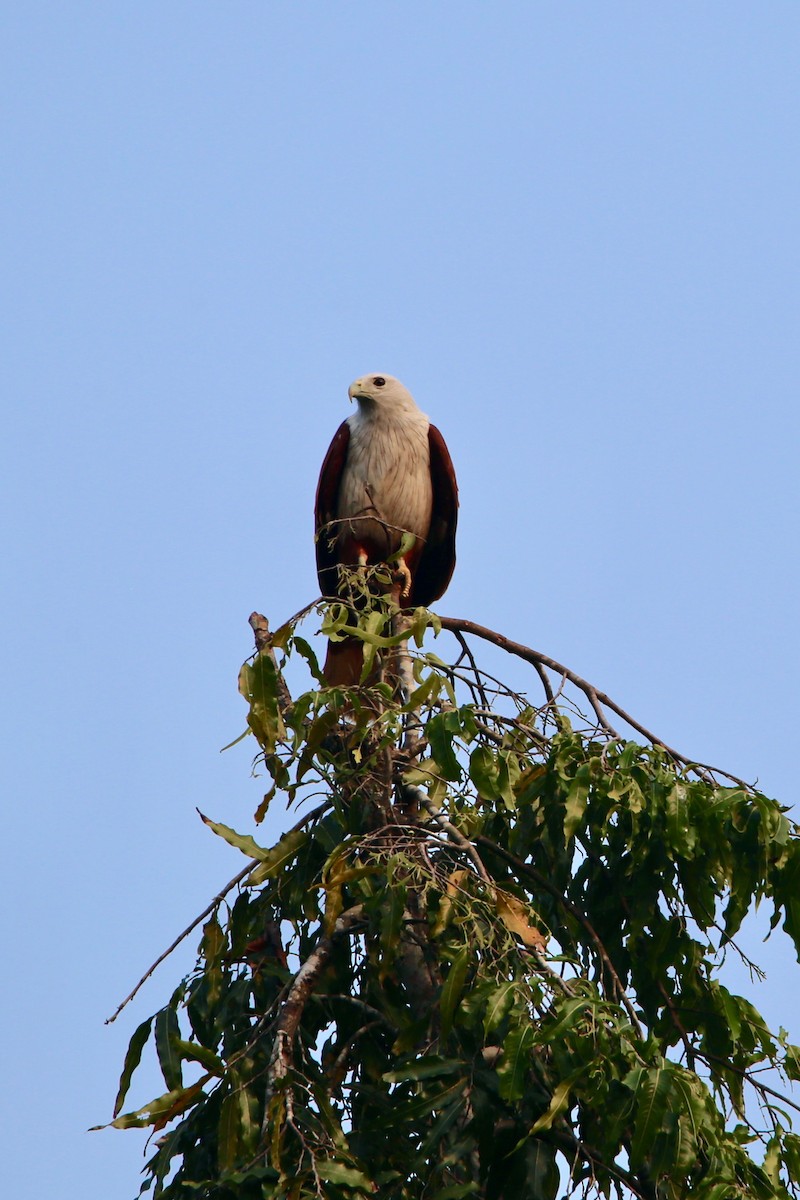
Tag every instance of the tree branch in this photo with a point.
(595, 697)
(556, 1137)
(299, 991)
(220, 896)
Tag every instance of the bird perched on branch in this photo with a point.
(387, 488)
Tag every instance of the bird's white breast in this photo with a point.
(387, 475)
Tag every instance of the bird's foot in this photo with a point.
(404, 573)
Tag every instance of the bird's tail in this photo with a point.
(344, 663)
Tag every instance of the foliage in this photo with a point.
(486, 964)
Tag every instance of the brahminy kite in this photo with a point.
(387, 474)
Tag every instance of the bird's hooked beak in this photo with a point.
(356, 389)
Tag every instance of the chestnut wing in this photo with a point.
(438, 559)
(325, 509)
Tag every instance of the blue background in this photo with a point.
(571, 230)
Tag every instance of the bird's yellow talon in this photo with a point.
(405, 575)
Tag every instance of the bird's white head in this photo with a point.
(381, 392)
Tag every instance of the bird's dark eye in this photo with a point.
(379, 381)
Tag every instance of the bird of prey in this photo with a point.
(387, 474)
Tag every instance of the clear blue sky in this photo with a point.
(572, 231)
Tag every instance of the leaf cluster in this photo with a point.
(485, 963)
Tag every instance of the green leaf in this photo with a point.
(791, 1155)
(392, 912)
(451, 991)
(427, 692)
(428, 1067)
(652, 1108)
(197, 1053)
(237, 1130)
(306, 652)
(279, 640)
(259, 684)
(421, 620)
(772, 1162)
(787, 894)
(483, 772)
(791, 1062)
(247, 733)
(559, 1102)
(508, 773)
(332, 1171)
(229, 1132)
(441, 744)
(167, 1036)
(684, 1153)
(367, 633)
(542, 1174)
(419, 1106)
(213, 944)
(682, 831)
(567, 1014)
(576, 801)
(132, 1060)
(733, 1012)
(445, 1120)
(263, 807)
(499, 1004)
(515, 1063)
(316, 732)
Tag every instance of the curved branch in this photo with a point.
(747, 1076)
(676, 1021)
(536, 659)
(220, 896)
(596, 698)
(466, 652)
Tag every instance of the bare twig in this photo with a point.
(338, 1068)
(466, 652)
(747, 1076)
(544, 966)
(454, 834)
(220, 896)
(528, 730)
(545, 678)
(596, 698)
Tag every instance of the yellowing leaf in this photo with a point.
(242, 841)
(514, 914)
(161, 1111)
(558, 1104)
(275, 859)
